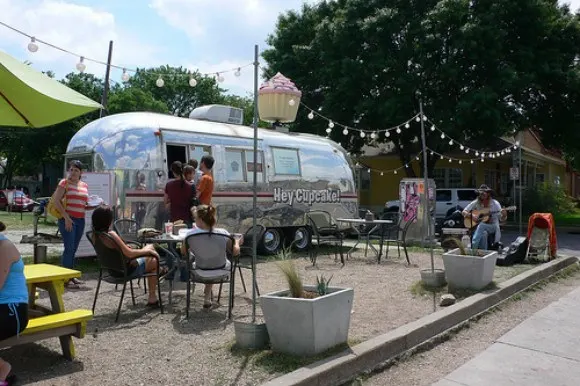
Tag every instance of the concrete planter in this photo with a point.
(470, 272)
(434, 279)
(307, 326)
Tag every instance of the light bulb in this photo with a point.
(291, 102)
(401, 146)
(382, 173)
(449, 160)
(238, 72)
(441, 157)
(192, 82)
(368, 170)
(477, 154)
(418, 119)
(450, 142)
(398, 130)
(362, 134)
(328, 130)
(373, 135)
(81, 65)
(345, 131)
(387, 134)
(433, 128)
(125, 76)
(406, 165)
(311, 115)
(431, 153)
(417, 158)
(395, 172)
(330, 124)
(471, 161)
(515, 147)
(219, 78)
(461, 147)
(442, 136)
(32, 46)
(406, 125)
(424, 117)
(460, 162)
(517, 143)
(159, 82)
(466, 151)
(482, 160)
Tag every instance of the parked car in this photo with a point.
(20, 203)
(446, 201)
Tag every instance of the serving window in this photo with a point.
(240, 166)
(286, 161)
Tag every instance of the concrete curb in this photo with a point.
(368, 355)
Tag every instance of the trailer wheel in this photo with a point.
(302, 239)
(271, 241)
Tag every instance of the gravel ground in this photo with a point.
(146, 347)
(15, 235)
(430, 366)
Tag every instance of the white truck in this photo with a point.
(296, 172)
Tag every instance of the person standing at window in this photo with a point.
(197, 173)
(72, 223)
(178, 195)
(205, 188)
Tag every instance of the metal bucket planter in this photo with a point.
(433, 278)
(251, 336)
(307, 327)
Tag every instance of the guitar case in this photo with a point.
(515, 253)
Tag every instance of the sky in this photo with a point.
(207, 35)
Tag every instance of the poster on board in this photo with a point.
(100, 185)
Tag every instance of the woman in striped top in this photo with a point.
(72, 223)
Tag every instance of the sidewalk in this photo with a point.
(542, 350)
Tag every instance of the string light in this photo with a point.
(125, 76)
(311, 115)
(192, 81)
(345, 131)
(33, 47)
(160, 82)
(81, 66)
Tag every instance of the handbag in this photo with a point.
(51, 208)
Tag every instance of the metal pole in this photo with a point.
(427, 214)
(106, 89)
(255, 186)
(521, 179)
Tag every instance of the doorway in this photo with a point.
(175, 153)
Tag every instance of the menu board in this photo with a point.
(286, 161)
(101, 185)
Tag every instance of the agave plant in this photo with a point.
(322, 284)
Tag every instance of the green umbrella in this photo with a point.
(29, 98)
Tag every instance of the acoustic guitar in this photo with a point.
(483, 215)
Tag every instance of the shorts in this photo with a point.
(136, 268)
(13, 319)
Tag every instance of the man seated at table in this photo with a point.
(143, 260)
(205, 221)
(13, 298)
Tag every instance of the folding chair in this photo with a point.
(324, 231)
(244, 261)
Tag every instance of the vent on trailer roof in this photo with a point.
(219, 113)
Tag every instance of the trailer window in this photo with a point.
(235, 166)
(286, 161)
(198, 151)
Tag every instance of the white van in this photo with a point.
(446, 199)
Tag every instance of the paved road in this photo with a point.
(543, 350)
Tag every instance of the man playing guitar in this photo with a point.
(485, 203)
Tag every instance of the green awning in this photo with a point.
(29, 98)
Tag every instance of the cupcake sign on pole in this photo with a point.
(278, 100)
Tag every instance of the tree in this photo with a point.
(125, 99)
(483, 68)
(179, 97)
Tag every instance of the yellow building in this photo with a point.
(379, 181)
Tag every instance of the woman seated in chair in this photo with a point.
(143, 260)
(205, 221)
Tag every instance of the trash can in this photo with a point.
(39, 254)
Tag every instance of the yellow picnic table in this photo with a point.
(52, 278)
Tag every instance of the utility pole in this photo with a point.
(106, 89)
(427, 214)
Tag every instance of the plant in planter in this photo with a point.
(306, 319)
(468, 268)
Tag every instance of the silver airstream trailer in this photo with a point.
(296, 172)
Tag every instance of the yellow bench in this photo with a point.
(63, 325)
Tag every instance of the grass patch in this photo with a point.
(278, 363)
(568, 219)
(21, 221)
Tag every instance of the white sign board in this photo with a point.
(514, 174)
(100, 184)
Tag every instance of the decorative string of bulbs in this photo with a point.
(382, 171)
(126, 74)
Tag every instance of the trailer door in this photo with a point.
(175, 153)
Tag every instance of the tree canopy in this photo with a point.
(484, 68)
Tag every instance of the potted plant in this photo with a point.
(468, 268)
(306, 320)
